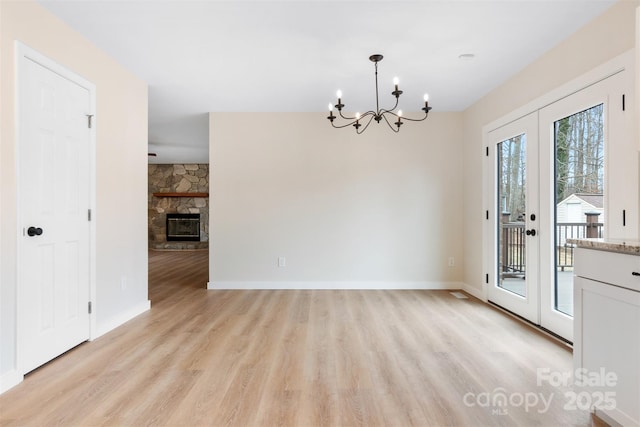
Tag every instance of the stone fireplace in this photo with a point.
(183, 190)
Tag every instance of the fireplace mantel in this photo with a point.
(180, 194)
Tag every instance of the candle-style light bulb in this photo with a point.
(357, 123)
(399, 122)
(339, 94)
(331, 116)
(426, 104)
(396, 81)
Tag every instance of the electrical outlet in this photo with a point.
(282, 261)
(452, 261)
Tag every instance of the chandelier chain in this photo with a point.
(377, 102)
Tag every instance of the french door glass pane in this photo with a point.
(512, 206)
(579, 192)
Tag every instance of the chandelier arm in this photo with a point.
(345, 117)
(390, 112)
(393, 113)
(365, 126)
(414, 120)
(389, 124)
(384, 111)
(343, 126)
(370, 112)
(353, 120)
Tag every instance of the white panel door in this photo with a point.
(54, 198)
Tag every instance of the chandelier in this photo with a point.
(378, 114)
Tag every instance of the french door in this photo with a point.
(548, 181)
(579, 137)
(514, 242)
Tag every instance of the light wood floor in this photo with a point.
(295, 358)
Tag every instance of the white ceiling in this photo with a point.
(290, 56)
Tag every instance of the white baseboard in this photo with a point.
(333, 285)
(472, 290)
(10, 379)
(121, 319)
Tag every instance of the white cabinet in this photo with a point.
(607, 333)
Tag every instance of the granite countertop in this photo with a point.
(631, 247)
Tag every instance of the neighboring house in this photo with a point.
(572, 211)
(575, 207)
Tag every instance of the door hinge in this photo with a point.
(88, 214)
(487, 151)
(486, 278)
(623, 102)
(624, 217)
(487, 214)
(89, 117)
(89, 307)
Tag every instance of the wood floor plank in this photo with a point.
(294, 358)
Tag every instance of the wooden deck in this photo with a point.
(295, 358)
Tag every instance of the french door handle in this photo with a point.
(635, 273)
(531, 232)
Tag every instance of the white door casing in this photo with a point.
(55, 182)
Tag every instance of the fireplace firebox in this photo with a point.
(183, 227)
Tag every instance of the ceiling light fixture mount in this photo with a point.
(379, 113)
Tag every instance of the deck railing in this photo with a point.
(513, 249)
(573, 230)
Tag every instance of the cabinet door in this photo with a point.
(606, 345)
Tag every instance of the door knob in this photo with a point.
(531, 232)
(34, 231)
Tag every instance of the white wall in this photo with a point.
(121, 171)
(347, 211)
(606, 37)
